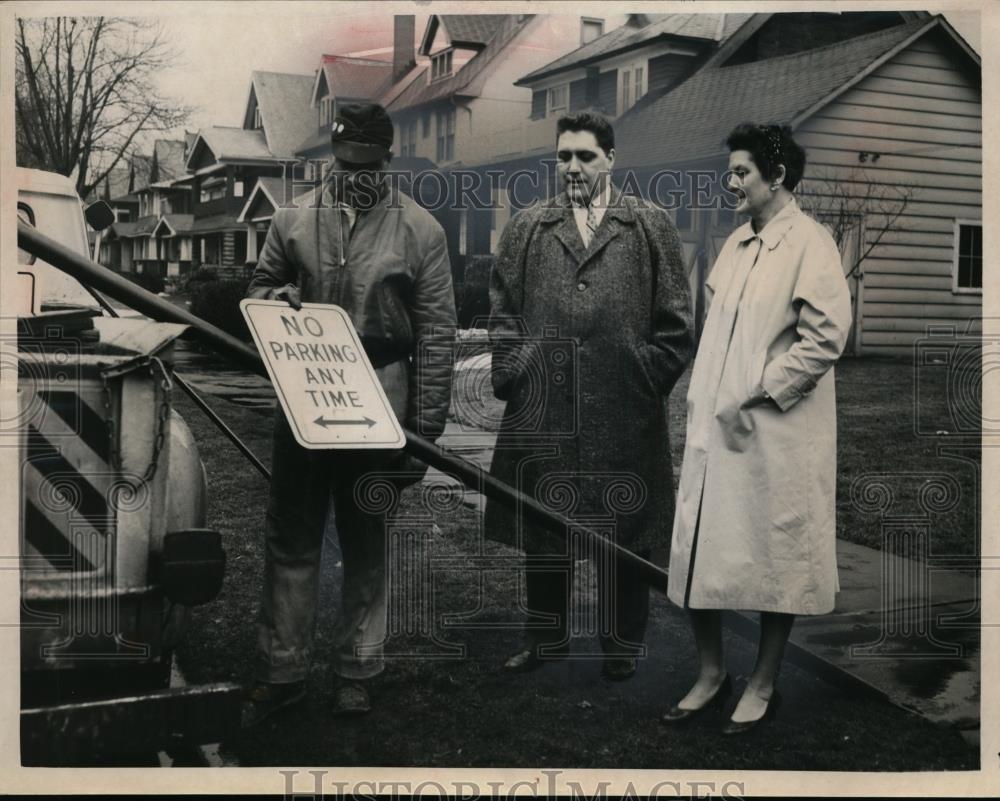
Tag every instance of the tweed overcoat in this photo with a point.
(587, 344)
(755, 525)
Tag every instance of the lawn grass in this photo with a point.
(886, 470)
(443, 700)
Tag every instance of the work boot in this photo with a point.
(264, 699)
(350, 698)
(530, 657)
(618, 668)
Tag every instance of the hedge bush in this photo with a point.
(151, 282)
(196, 276)
(474, 296)
(218, 302)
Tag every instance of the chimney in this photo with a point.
(403, 52)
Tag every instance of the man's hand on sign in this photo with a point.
(289, 293)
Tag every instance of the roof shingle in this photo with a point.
(472, 28)
(693, 120)
(463, 82)
(285, 107)
(710, 27)
(235, 143)
(169, 157)
(356, 78)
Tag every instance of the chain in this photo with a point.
(162, 421)
(163, 415)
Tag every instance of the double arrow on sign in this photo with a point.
(326, 423)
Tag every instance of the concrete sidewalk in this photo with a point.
(900, 630)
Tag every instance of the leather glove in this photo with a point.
(290, 294)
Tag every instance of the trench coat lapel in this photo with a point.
(567, 232)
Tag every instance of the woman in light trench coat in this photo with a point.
(755, 522)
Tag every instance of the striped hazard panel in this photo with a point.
(67, 481)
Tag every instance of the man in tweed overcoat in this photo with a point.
(590, 323)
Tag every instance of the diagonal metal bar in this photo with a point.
(473, 476)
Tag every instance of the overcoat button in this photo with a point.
(582, 286)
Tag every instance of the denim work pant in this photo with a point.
(303, 484)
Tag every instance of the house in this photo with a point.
(115, 190)
(889, 109)
(166, 249)
(338, 80)
(224, 165)
(463, 109)
(128, 245)
(647, 54)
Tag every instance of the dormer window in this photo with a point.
(590, 28)
(257, 124)
(441, 65)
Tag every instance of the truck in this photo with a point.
(113, 545)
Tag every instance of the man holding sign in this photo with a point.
(371, 250)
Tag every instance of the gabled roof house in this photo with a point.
(891, 119)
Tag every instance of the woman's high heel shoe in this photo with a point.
(677, 716)
(733, 727)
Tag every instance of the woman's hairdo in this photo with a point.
(770, 146)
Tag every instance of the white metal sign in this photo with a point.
(328, 389)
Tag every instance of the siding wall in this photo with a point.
(924, 117)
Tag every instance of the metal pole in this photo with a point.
(471, 475)
(225, 429)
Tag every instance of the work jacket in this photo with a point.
(390, 273)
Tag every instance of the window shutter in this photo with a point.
(592, 87)
(538, 99)
(578, 95)
(607, 93)
(666, 70)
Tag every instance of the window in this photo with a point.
(968, 256)
(590, 29)
(256, 118)
(626, 90)
(212, 189)
(557, 98)
(441, 65)
(408, 138)
(446, 135)
(425, 122)
(639, 88)
(238, 189)
(327, 110)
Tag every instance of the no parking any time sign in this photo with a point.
(324, 381)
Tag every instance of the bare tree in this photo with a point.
(843, 200)
(86, 93)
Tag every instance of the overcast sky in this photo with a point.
(219, 48)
